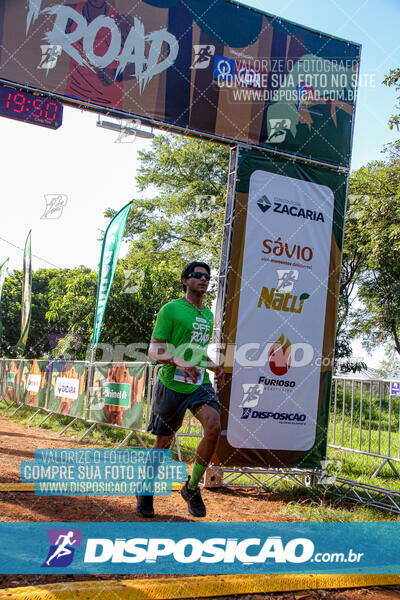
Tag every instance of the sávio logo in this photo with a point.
(62, 547)
(246, 413)
(281, 248)
(282, 302)
(279, 356)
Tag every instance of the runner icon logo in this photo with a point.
(202, 56)
(251, 394)
(61, 551)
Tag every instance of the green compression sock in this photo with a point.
(197, 474)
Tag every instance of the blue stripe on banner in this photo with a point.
(200, 548)
(178, 76)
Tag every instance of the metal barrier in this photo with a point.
(99, 394)
(364, 419)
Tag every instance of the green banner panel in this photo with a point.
(33, 384)
(116, 396)
(67, 393)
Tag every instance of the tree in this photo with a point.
(38, 342)
(184, 220)
(378, 215)
(129, 317)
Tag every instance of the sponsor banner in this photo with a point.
(26, 303)
(102, 472)
(281, 312)
(116, 395)
(199, 548)
(395, 388)
(108, 262)
(232, 73)
(11, 379)
(67, 388)
(34, 382)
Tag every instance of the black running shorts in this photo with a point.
(169, 407)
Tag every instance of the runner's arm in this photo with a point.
(158, 351)
(218, 371)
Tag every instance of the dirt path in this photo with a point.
(18, 443)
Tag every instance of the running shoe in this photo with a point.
(144, 507)
(194, 500)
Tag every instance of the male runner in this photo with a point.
(180, 338)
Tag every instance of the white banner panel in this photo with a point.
(67, 388)
(33, 383)
(277, 364)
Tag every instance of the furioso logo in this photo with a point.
(61, 551)
(279, 356)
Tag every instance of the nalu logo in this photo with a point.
(271, 298)
(264, 204)
(62, 547)
(191, 550)
(279, 356)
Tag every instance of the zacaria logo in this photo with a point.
(279, 356)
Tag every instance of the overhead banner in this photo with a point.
(108, 262)
(222, 70)
(26, 303)
(280, 313)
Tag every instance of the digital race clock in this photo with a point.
(30, 108)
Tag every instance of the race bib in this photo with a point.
(179, 377)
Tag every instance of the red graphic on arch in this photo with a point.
(279, 356)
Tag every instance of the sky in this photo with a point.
(93, 172)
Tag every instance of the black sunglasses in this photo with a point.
(198, 275)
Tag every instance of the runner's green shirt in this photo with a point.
(187, 332)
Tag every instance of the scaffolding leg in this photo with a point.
(45, 419)
(93, 425)
(379, 469)
(140, 440)
(103, 435)
(124, 441)
(34, 415)
(69, 425)
(17, 409)
(10, 405)
(178, 449)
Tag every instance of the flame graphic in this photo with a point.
(279, 356)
